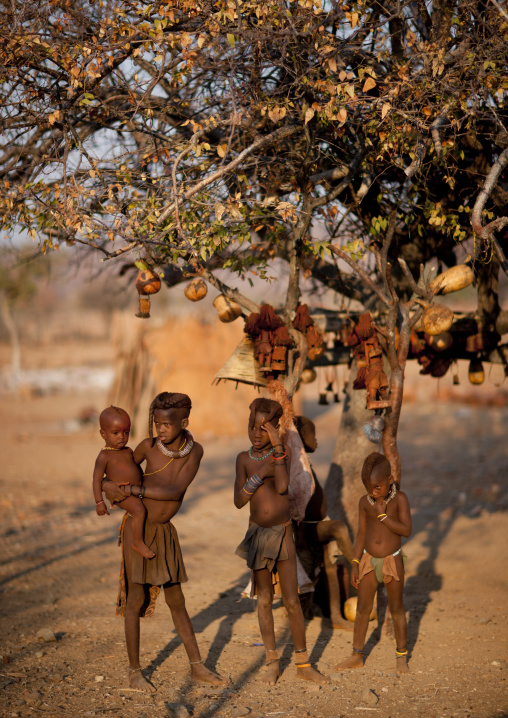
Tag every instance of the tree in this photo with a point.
(199, 135)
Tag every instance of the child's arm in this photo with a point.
(98, 472)
(359, 543)
(281, 475)
(175, 487)
(140, 451)
(403, 524)
(246, 486)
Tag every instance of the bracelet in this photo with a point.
(99, 502)
(379, 516)
(252, 484)
(278, 445)
(384, 517)
(356, 560)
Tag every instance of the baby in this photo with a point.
(117, 461)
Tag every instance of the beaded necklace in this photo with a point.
(390, 496)
(180, 453)
(260, 458)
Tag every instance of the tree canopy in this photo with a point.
(199, 135)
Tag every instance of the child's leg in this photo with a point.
(328, 530)
(394, 592)
(136, 509)
(264, 591)
(135, 600)
(176, 602)
(289, 588)
(366, 592)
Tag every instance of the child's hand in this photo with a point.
(102, 509)
(272, 432)
(355, 573)
(380, 506)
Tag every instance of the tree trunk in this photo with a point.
(10, 325)
(344, 485)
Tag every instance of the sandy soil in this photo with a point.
(59, 570)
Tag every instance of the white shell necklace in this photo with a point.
(179, 453)
(390, 496)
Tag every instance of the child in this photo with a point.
(117, 461)
(262, 479)
(172, 462)
(384, 516)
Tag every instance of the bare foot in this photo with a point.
(138, 681)
(272, 674)
(401, 663)
(143, 549)
(339, 623)
(355, 661)
(199, 672)
(307, 673)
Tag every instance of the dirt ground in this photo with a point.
(59, 571)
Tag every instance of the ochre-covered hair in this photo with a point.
(265, 406)
(373, 461)
(167, 400)
(112, 412)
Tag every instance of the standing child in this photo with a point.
(384, 516)
(172, 462)
(116, 460)
(262, 480)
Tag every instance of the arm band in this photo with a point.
(252, 484)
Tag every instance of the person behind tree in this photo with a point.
(172, 461)
(116, 460)
(384, 517)
(316, 532)
(262, 481)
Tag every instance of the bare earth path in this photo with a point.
(59, 570)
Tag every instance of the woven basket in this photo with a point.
(241, 366)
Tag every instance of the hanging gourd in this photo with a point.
(196, 290)
(437, 319)
(439, 342)
(227, 310)
(476, 372)
(147, 283)
(452, 280)
(308, 375)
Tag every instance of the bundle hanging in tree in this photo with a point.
(241, 366)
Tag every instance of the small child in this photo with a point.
(262, 480)
(384, 516)
(117, 461)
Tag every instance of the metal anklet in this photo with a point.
(400, 653)
(303, 665)
(301, 650)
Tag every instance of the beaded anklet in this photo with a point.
(195, 663)
(133, 670)
(358, 651)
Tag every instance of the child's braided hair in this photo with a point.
(164, 401)
(264, 406)
(112, 412)
(371, 462)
